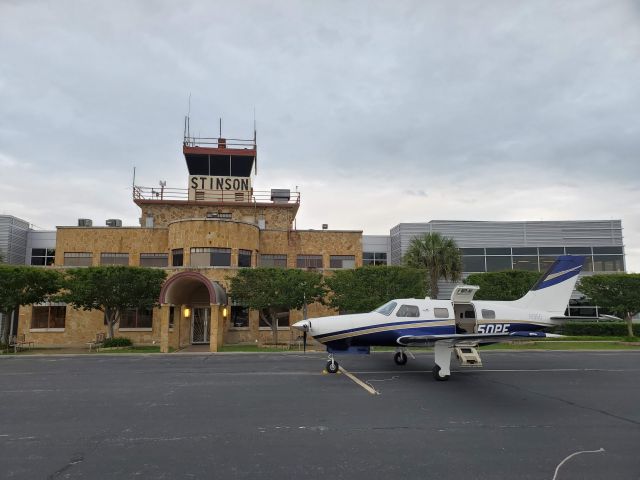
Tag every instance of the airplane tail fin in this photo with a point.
(552, 292)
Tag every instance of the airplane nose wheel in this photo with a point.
(400, 358)
(332, 365)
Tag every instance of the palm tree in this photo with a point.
(437, 254)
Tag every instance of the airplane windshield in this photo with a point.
(387, 308)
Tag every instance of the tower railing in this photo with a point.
(216, 196)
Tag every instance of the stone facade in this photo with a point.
(179, 227)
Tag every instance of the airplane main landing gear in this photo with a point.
(332, 365)
(400, 358)
(442, 370)
(437, 374)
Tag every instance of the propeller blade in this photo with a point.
(304, 341)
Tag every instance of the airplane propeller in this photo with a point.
(304, 341)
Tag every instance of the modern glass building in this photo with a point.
(489, 246)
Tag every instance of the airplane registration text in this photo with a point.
(494, 328)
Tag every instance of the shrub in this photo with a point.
(597, 329)
(117, 342)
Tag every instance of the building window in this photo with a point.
(244, 258)
(239, 316)
(473, 264)
(154, 260)
(110, 258)
(374, 258)
(210, 257)
(48, 317)
(497, 264)
(608, 263)
(173, 313)
(342, 261)
(177, 257)
(273, 260)
(282, 317)
(309, 261)
(77, 259)
(42, 256)
(137, 318)
(525, 263)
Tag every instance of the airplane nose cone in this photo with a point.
(302, 325)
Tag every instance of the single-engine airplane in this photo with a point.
(460, 323)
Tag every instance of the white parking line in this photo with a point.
(368, 388)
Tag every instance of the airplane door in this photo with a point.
(463, 293)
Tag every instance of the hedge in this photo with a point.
(597, 329)
(117, 342)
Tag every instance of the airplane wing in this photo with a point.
(453, 339)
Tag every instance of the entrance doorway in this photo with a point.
(200, 319)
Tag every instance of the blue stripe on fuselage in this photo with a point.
(390, 337)
(380, 325)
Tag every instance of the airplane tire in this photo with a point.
(332, 367)
(400, 358)
(437, 376)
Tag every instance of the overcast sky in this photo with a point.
(379, 112)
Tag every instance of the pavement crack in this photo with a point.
(73, 461)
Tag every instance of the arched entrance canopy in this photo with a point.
(191, 287)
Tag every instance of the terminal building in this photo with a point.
(200, 235)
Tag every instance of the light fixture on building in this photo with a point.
(187, 312)
(224, 312)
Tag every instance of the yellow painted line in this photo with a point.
(356, 380)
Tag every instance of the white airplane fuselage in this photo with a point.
(379, 329)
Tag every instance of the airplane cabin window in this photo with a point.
(488, 314)
(441, 312)
(408, 311)
(387, 308)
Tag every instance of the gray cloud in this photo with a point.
(469, 102)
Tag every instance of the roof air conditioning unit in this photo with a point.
(85, 222)
(114, 222)
(280, 195)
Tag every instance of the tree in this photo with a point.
(619, 293)
(507, 285)
(269, 290)
(113, 290)
(21, 285)
(437, 254)
(365, 288)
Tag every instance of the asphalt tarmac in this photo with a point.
(277, 416)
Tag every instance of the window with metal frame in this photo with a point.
(43, 256)
(309, 261)
(244, 258)
(137, 318)
(48, 316)
(342, 261)
(210, 257)
(154, 260)
(78, 259)
(114, 258)
(177, 257)
(273, 260)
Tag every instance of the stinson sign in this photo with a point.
(203, 187)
